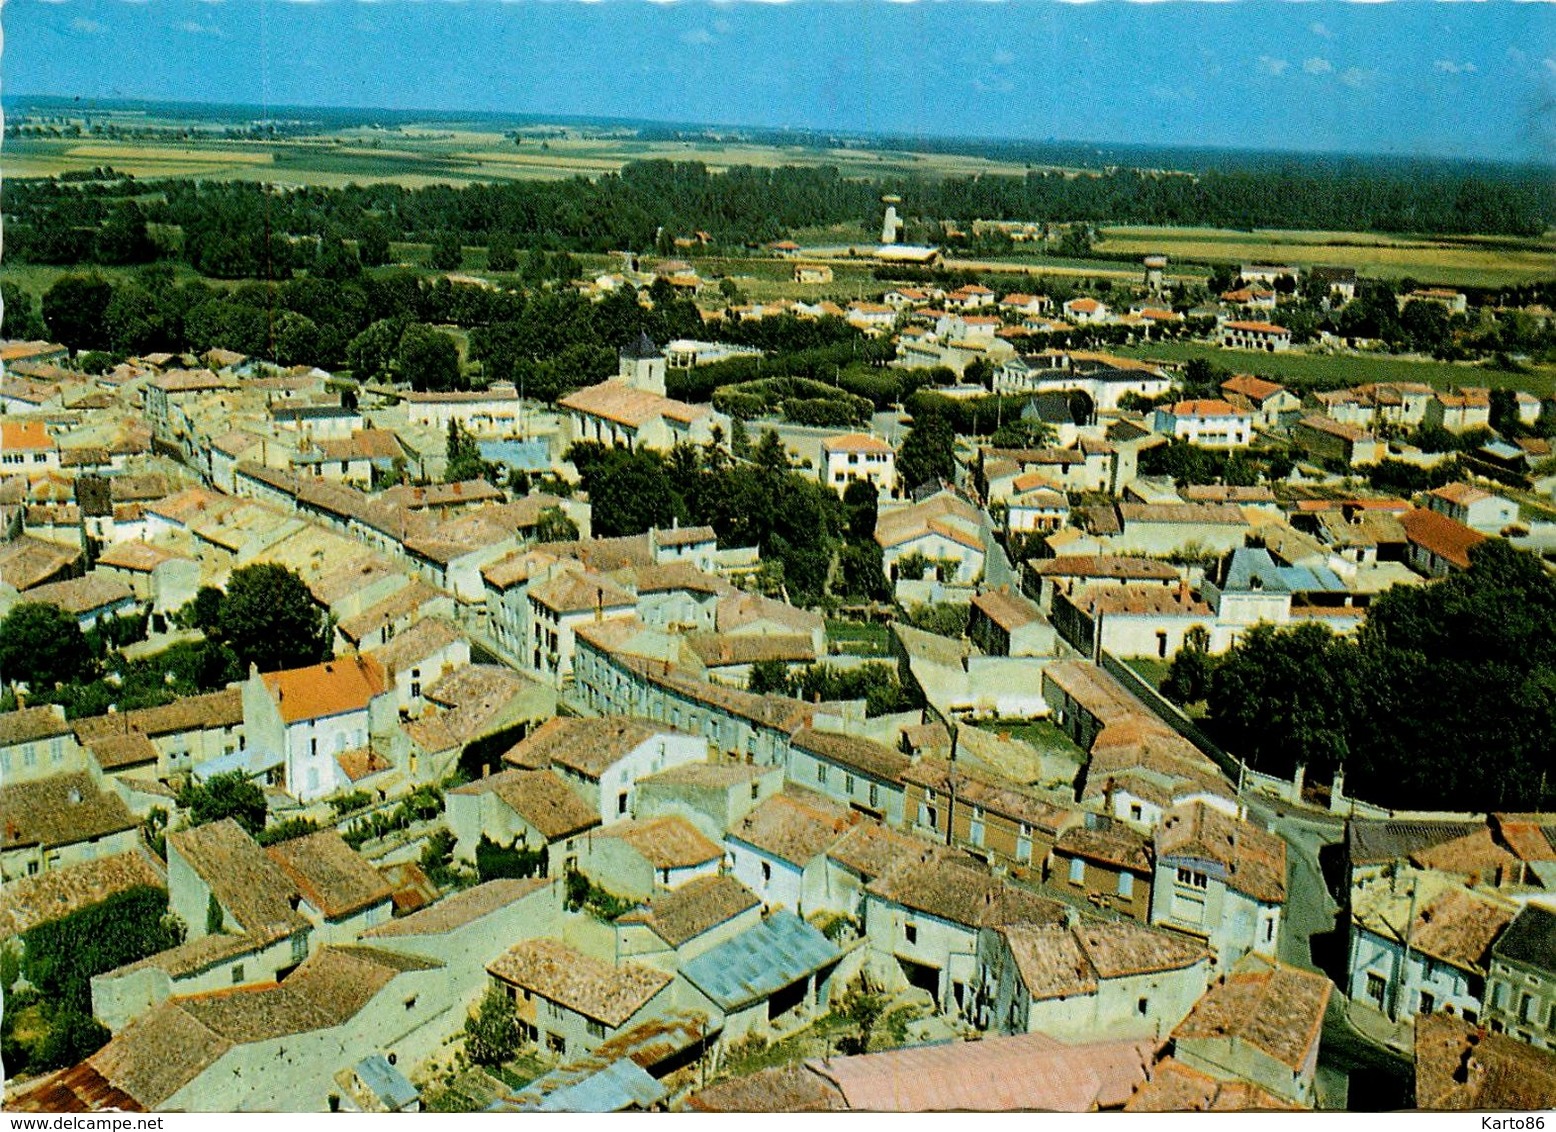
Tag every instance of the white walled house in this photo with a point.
(1208, 423)
(857, 456)
(312, 716)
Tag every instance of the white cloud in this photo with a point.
(1003, 58)
(193, 27)
(1273, 67)
(1517, 56)
(86, 26)
(1318, 29)
(1317, 65)
(723, 27)
(1354, 77)
(697, 37)
(1449, 67)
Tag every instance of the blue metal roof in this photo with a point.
(388, 1083)
(620, 1085)
(526, 455)
(760, 961)
(1253, 568)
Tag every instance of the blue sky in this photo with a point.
(1408, 77)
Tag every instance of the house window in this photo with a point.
(556, 1043)
(821, 773)
(848, 784)
(1126, 885)
(1428, 1003)
(621, 802)
(1077, 871)
(299, 948)
(875, 794)
(756, 789)
(553, 1010)
(1375, 987)
(1526, 1009)
(237, 973)
(910, 932)
(596, 1029)
(1192, 878)
(1135, 811)
(1143, 1007)
(767, 872)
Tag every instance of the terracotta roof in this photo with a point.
(116, 752)
(1460, 1066)
(456, 911)
(1120, 846)
(57, 892)
(1055, 961)
(60, 810)
(588, 746)
(1174, 1087)
(1474, 854)
(572, 592)
(1441, 536)
(241, 876)
(331, 688)
(1131, 598)
(794, 826)
(666, 843)
(415, 645)
(1206, 408)
(1461, 493)
(28, 725)
(26, 561)
(855, 442)
(134, 555)
(850, 752)
(697, 906)
(715, 776)
(1101, 566)
(960, 890)
(1253, 862)
(25, 436)
(1272, 1007)
(331, 875)
(789, 1088)
(1214, 513)
(1007, 610)
(871, 849)
(1348, 432)
(208, 711)
(723, 649)
(83, 595)
(579, 982)
(1024, 1073)
(540, 797)
(1257, 327)
(624, 404)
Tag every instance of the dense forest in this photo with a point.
(244, 230)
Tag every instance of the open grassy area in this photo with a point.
(1300, 369)
(1040, 733)
(859, 638)
(1454, 262)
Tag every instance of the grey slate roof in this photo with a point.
(761, 961)
(1530, 938)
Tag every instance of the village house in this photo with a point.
(91, 599)
(988, 817)
(1002, 623)
(1339, 283)
(1459, 411)
(712, 796)
(1220, 878)
(1161, 529)
(1208, 423)
(1106, 863)
(1473, 506)
(943, 532)
(1438, 545)
(557, 607)
(676, 926)
(1255, 336)
(1085, 309)
(36, 742)
(925, 917)
(1421, 943)
(522, 809)
(569, 1002)
(1091, 980)
(494, 411)
(60, 820)
(636, 858)
(619, 415)
(27, 448)
(1460, 1066)
(1325, 438)
(1260, 1023)
(1043, 578)
(777, 850)
(1521, 989)
(185, 736)
(1271, 404)
(602, 759)
(855, 456)
(1454, 302)
(854, 771)
(773, 976)
(305, 720)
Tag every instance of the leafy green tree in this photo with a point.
(861, 504)
(768, 677)
(371, 352)
(928, 453)
(502, 253)
(1188, 677)
(372, 244)
(553, 525)
(295, 340)
(20, 318)
(429, 359)
(494, 1033)
(41, 645)
(135, 322)
(1023, 433)
(861, 572)
(74, 309)
(269, 619)
(446, 254)
(230, 795)
(630, 493)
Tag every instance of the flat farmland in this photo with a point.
(1462, 262)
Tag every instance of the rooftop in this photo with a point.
(61, 809)
(331, 688)
(666, 843)
(578, 982)
(588, 746)
(1272, 1007)
(540, 797)
(57, 892)
(696, 907)
(1458, 1066)
(331, 875)
(1254, 862)
(760, 961)
(793, 826)
(462, 908)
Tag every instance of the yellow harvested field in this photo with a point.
(1466, 262)
(111, 151)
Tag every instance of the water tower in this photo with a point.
(891, 228)
(1155, 273)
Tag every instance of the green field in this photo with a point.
(1348, 369)
(1460, 262)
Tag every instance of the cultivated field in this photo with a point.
(1462, 262)
(1347, 369)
